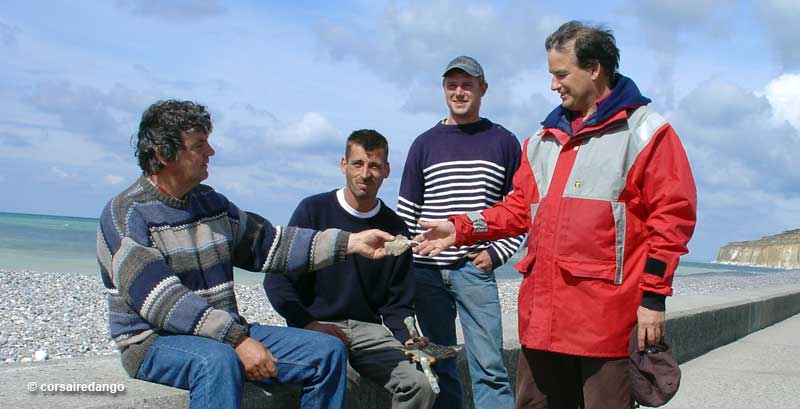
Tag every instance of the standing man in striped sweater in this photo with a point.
(167, 246)
(464, 164)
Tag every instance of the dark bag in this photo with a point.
(655, 374)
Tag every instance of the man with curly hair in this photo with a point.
(167, 246)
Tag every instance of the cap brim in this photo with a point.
(471, 72)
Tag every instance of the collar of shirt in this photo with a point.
(349, 209)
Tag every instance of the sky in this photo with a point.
(286, 82)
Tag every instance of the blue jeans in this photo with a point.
(214, 376)
(473, 294)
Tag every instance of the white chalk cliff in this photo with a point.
(778, 251)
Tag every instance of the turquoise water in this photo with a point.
(47, 243)
(67, 244)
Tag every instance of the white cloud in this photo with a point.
(277, 163)
(313, 129)
(736, 142)
(416, 39)
(273, 189)
(113, 179)
(667, 28)
(54, 146)
(743, 161)
(411, 43)
(104, 116)
(782, 94)
(61, 173)
(174, 10)
(781, 17)
(719, 104)
(664, 22)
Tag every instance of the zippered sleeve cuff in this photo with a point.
(463, 229)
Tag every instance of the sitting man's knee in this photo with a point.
(333, 345)
(222, 356)
(413, 380)
(417, 387)
(423, 383)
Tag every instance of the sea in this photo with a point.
(68, 245)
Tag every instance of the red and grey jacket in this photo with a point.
(608, 212)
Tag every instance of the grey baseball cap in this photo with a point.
(466, 64)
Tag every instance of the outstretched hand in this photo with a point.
(438, 236)
(368, 243)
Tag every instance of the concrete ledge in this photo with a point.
(695, 325)
(698, 324)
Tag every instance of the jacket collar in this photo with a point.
(624, 95)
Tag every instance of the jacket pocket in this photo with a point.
(591, 239)
(582, 269)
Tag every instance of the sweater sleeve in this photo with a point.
(282, 290)
(412, 186)
(148, 285)
(502, 249)
(509, 218)
(260, 246)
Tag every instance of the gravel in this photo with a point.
(63, 315)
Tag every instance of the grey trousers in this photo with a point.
(373, 354)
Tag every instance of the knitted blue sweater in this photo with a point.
(167, 264)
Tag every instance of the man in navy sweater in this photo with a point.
(362, 302)
(463, 164)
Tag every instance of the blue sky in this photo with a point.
(287, 81)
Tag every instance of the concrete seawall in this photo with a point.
(695, 325)
(699, 323)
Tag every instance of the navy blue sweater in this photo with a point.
(378, 291)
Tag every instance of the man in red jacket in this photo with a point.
(607, 197)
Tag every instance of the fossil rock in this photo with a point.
(399, 245)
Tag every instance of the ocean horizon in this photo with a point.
(67, 244)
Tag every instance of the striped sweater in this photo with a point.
(167, 264)
(454, 169)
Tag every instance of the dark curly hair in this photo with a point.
(593, 45)
(160, 130)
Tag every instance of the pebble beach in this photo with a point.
(49, 315)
